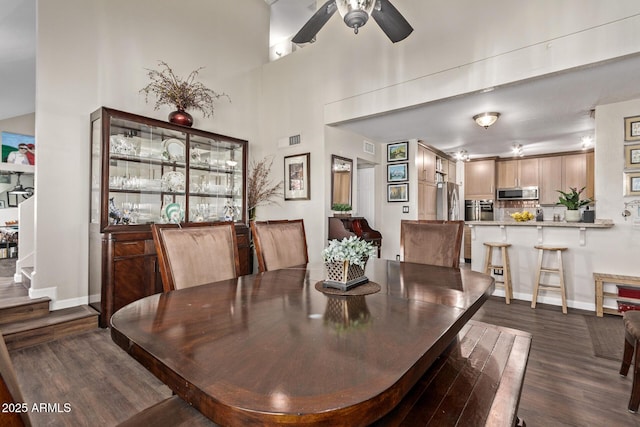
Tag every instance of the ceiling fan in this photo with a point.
(356, 14)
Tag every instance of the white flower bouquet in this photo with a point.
(352, 249)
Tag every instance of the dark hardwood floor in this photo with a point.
(565, 384)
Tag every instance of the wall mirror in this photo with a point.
(341, 176)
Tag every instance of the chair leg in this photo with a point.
(487, 260)
(563, 292)
(508, 293)
(537, 284)
(626, 357)
(634, 402)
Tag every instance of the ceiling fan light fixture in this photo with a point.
(486, 119)
(355, 12)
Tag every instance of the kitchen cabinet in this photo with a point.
(452, 174)
(426, 164)
(146, 171)
(517, 173)
(564, 172)
(479, 179)
(427, 193)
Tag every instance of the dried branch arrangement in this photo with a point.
(185, 95)
(260, 189)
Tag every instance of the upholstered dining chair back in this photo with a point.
(10, 391)
(279, 244)
(431, 242)
(196, 254)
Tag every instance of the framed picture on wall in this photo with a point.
(398, 192)
(18, 149)
(296, 177)
(397, 172)
(632, 184)
(632, 156)
(398, 152)
(632, 128)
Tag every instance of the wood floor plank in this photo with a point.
(565, 384)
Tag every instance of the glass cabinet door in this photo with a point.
(143, 173)
(216, 180)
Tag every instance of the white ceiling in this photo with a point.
(545, 115)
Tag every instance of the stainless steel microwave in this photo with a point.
(524, 193)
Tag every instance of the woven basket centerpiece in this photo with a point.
(345, 261)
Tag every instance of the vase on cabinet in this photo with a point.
(572, 215)
(181, 117)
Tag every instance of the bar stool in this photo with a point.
(559, 271)
(505, 268)
(631, 346)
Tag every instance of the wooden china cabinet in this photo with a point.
(146, 171)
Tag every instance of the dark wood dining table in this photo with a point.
(271, 348)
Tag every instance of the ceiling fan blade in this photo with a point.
(391, 21)
(308, 32)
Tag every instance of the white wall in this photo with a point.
(622, 242)
(343, 76)
(93, 53)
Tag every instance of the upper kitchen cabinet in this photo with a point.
(426, 164)
(517, 173)
(564, 172)
(479, 178)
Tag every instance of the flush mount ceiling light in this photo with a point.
(486, 119)
(517, 150)
(587, 142)
(462, 155)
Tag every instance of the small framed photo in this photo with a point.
(632, 156)
(632, 128)
(297, 182)
(397, 172)
(632, 184)
(2, 204)
(398, 152)
(398, 192)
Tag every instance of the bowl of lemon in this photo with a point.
(522, 216)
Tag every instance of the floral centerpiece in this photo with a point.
(184, 95)
(260, 189)
(345, 261)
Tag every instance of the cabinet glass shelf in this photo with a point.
(140, 165)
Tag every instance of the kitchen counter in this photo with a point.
(585, 243)
(600, 223)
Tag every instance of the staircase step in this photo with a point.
(22, 308)
(56, 325)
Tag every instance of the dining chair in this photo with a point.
(195, 254)
(279, 244)
(10, 391)
(431, 242)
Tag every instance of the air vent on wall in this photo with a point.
(369, 147)
(294, 140)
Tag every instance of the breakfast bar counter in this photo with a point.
(584, 242)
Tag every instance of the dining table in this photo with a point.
(278, 348)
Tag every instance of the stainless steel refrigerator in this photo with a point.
(447, 201)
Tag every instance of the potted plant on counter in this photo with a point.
(573, 203)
